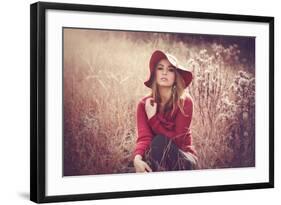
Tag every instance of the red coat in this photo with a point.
(176, 127)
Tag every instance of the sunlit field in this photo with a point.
(103, 80)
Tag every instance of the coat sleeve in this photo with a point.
(144, 132)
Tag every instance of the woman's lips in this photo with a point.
(164, 79)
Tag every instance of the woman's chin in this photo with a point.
(163, 84)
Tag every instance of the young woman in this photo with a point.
(164, 117)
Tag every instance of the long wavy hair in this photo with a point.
(177, 97)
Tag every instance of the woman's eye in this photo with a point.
(159, 68)
(171, 70)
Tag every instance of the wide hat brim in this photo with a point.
(156, 57)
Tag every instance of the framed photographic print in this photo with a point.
(129, 102)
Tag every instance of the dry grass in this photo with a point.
(103, 81)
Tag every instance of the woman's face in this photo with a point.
(165, 73)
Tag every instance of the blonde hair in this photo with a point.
(177, 97)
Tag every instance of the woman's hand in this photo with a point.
(140, 165)
(150, 107)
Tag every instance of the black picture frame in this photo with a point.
(38, 100)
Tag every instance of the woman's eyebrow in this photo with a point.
(163, 65)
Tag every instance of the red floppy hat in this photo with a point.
(157, 56)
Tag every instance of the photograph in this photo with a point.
(149, 101)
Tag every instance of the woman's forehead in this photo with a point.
(165, 62)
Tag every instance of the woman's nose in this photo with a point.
(164, 72)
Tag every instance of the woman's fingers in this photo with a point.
(150, 107)
(141, 166)
(150, 100)
(148, 168)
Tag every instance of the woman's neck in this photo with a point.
(165, 93)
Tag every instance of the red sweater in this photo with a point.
(176, 127)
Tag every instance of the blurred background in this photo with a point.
(104, 73)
